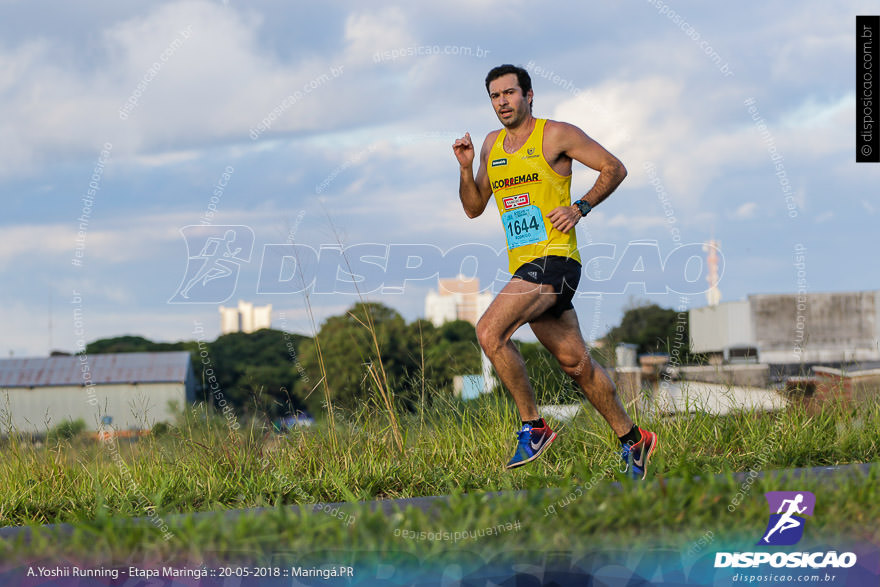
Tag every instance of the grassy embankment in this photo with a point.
(452, 448)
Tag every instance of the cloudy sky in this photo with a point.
(328, 124)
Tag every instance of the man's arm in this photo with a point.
(570, 141)
(473, 192)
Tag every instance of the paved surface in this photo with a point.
(693, 396)
(714, 398)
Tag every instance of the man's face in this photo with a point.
(510, 105)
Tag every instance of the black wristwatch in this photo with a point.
(584, 207)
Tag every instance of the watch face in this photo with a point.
(584, 207)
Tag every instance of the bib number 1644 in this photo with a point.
(524, 226)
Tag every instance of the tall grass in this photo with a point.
(629, 518)
(201, 465)
(446, 448)
(378, 377)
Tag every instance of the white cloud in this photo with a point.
(812, 114)
(368, 33)
(745, 211)
(824, 217)
(122, 239)
(615, 113)
(36, 239)
(811, 40)
(656, 97)
(661, 121)
(166, 158)
(195, 73)
(630, 221)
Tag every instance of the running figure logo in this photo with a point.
(786, 525)
(212, 274)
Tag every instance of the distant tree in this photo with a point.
(652, 328)
(419, 359)
(454, 351)
(256, 372)
(131, 344)
(458, 331)
(349, 353)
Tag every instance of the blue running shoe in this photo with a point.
(531, 442)
(635, 457)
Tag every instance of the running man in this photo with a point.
(215, 265)
(787, 521)
(527, 165)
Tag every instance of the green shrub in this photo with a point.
(160, 429)
(66, 430)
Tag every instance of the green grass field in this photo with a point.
(452, 448)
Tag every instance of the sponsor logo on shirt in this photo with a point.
(515, 201)
(515, 180)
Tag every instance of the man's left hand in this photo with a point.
(564, 218)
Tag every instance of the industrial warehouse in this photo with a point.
(128, 391)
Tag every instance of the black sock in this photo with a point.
(539, 423)
(632, 437)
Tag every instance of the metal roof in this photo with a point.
(162, 367)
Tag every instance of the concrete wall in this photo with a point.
(816, 327)
(629, 384)
(739, 375)
(35, 410)
(835, 387)
(792, 328)
(714, 328)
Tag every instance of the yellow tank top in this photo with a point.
(526, 188)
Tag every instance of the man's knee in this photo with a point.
(489, 339)
(483, 333)
(575, 364)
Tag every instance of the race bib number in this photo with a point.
(524, 226)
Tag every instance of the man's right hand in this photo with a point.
(464, 151)
(474, 192)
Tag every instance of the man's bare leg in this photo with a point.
(519, 302)
(562, 337)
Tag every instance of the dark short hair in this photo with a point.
(522, 76)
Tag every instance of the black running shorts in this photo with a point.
(563, 273)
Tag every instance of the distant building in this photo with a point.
(126, 390)
(722, 328)
(713, 294)
(456, 298)
(245, 318)
(806, 328)
(459, 298)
